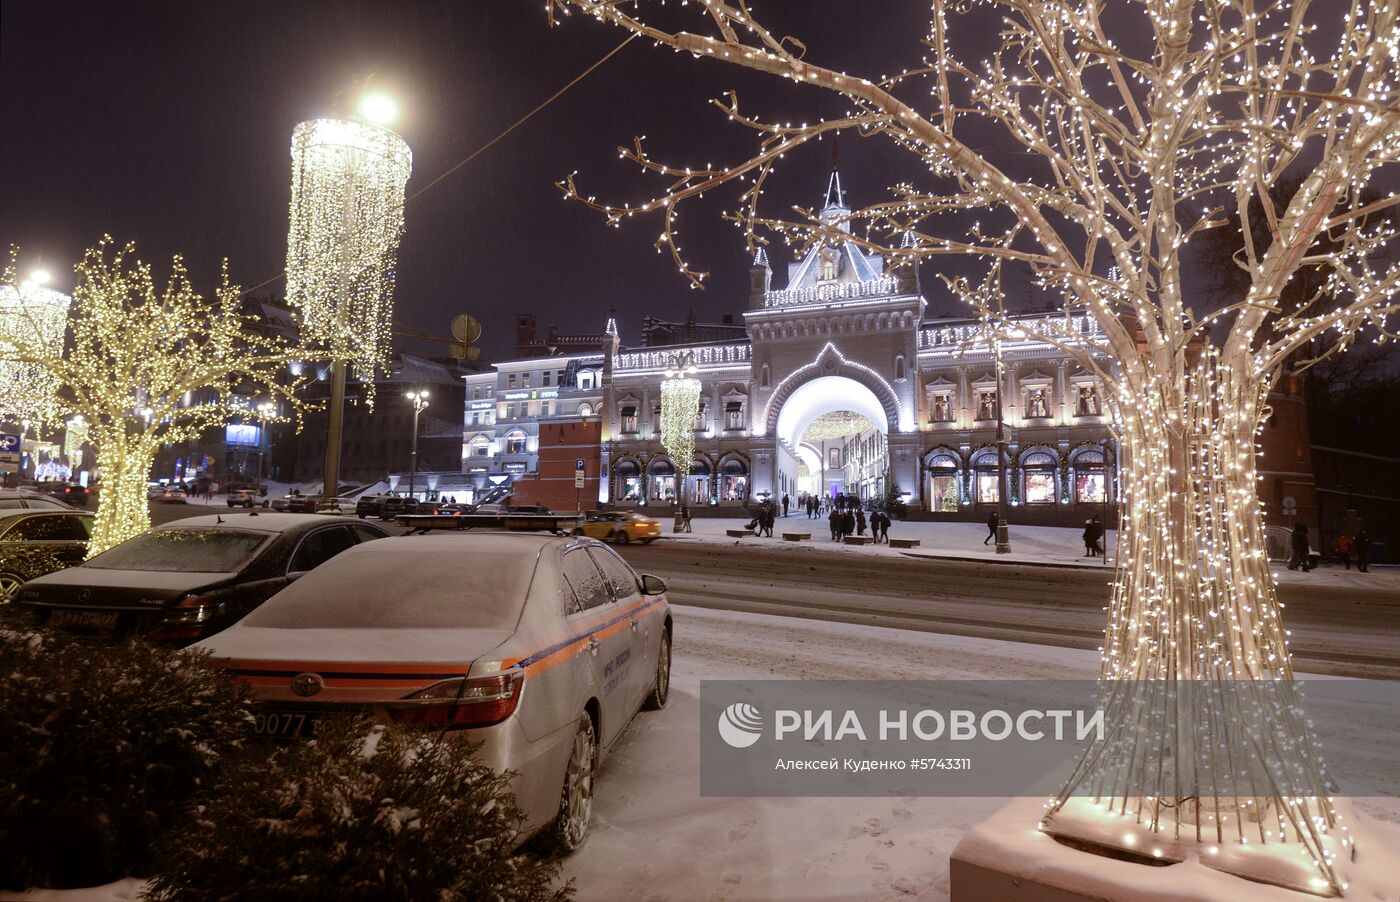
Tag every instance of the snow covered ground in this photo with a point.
(654, 838)
(1029, 545)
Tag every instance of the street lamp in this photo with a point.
(266, 410)
(419, 399)
(1003, 531)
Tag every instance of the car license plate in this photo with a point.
(284, 724)
(93, 620)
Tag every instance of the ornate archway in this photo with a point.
(830, 363)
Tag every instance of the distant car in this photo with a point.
(391, 506)
(539, 648)
(297, 504)
(173, 495)
(70, 492)
(34, 542)
(244, 498)
(154, 491)
(451, 509)
(25, 499)
(620, 527)
(190, 578)
(368, 505)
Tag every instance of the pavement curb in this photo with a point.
(999, 562)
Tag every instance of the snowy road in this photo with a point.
(1338, 627)
(654, 838)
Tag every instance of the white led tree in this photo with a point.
(1136, 125)
(146, 365)
(680, 400)
(29, 392)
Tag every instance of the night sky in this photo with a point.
(169, 124)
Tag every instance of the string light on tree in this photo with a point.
(1148, 124)
(38, 318)
(680, 401)
(147, 367)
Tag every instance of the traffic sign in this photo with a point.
(10, 445)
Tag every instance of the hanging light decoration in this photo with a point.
(680, 399)
(35, 318)
(348, 180)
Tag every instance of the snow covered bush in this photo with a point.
(104, 748)
(361, 813)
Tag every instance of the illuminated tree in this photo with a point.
(680, 399)
(28, 393)
(146, 366)
(1136, 125)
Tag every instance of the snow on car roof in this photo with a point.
(264, 522)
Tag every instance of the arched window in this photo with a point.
(1038, 477)
(734, 480)
(585, 410)
(987, 480)
(629, 480)
(1090, 478)
(899, 366)
(481, 446)
(700, 481)
(663, 480)
(943, 483)
(515, 442)
(764, 381)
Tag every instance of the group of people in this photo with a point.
(851, 521)
(1351, 542)
(762, 524)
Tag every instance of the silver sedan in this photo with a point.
(538, 647)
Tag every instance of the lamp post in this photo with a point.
(265, 411)
(419, 399)
(680, 399)
(348, 179)
(1003, 530)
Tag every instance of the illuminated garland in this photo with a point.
(1149, 124)
(348, 181)
(680, 399)
(837, 424)
(37, 318)
(148, 367)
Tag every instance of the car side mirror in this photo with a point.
(652, 585)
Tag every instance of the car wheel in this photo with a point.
(576, 796)
(622, 537)
(661, 687)
(9, 587)
(648, 541)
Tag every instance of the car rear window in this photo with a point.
(184, 550)
(388, 585)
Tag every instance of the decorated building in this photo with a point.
(840, 385)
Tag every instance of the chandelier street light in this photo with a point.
(680, 400)
(419, 400)
(348, 180)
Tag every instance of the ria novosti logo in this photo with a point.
(740, 725)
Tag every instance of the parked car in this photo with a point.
(451, 509)
(173, 495)
(620, 527)
(71, 493)
(368, 505)
(391, 506)
(297, 504)
(154, 490)
(190, 578)
(245, 498)
(26, 499)
(540, 648)
(35, 541)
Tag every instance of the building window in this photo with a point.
(899, 366)
(987, 481)
(943, 485)
(663, 481)
(764, 378)
(629, 480)
(1037, 404)
(942, 411)
(629, 419)
(1038, 470)
(1088, 403)
(510, 381)
(734, 415)
(986, 405)
(734, 480)
(515, 443)
(585, 380)
(585, 410)
(827, 264)
(524, 380)
(702, 417)
(1090, 479)
(545, 379)
(480, 446)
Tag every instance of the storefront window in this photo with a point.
(515, 443)
(663, 481)
(734, 481)
(987, 485)
(699, 483)
(1090, 484)
(943, 485)
(629, 480)
(1039, 469)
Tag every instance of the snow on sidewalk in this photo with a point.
(655, 838)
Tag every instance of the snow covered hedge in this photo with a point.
(103, 749)
(361, 813)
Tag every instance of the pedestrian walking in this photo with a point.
(685, 517)
(880, 526)
(1093, 531)
(1363, 554)
(848, 524)
(991, 529)
(860, 521)
(785, 504)
(1300, 549)
(834, 519)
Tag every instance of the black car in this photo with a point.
(391, 506)
(190, 578)
(70, 492)
(28, 499)
(297, 504)
(36, 542)
(368, 505)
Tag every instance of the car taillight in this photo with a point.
(186, 619)
(478, 702)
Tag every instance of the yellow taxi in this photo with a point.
(620, 527)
